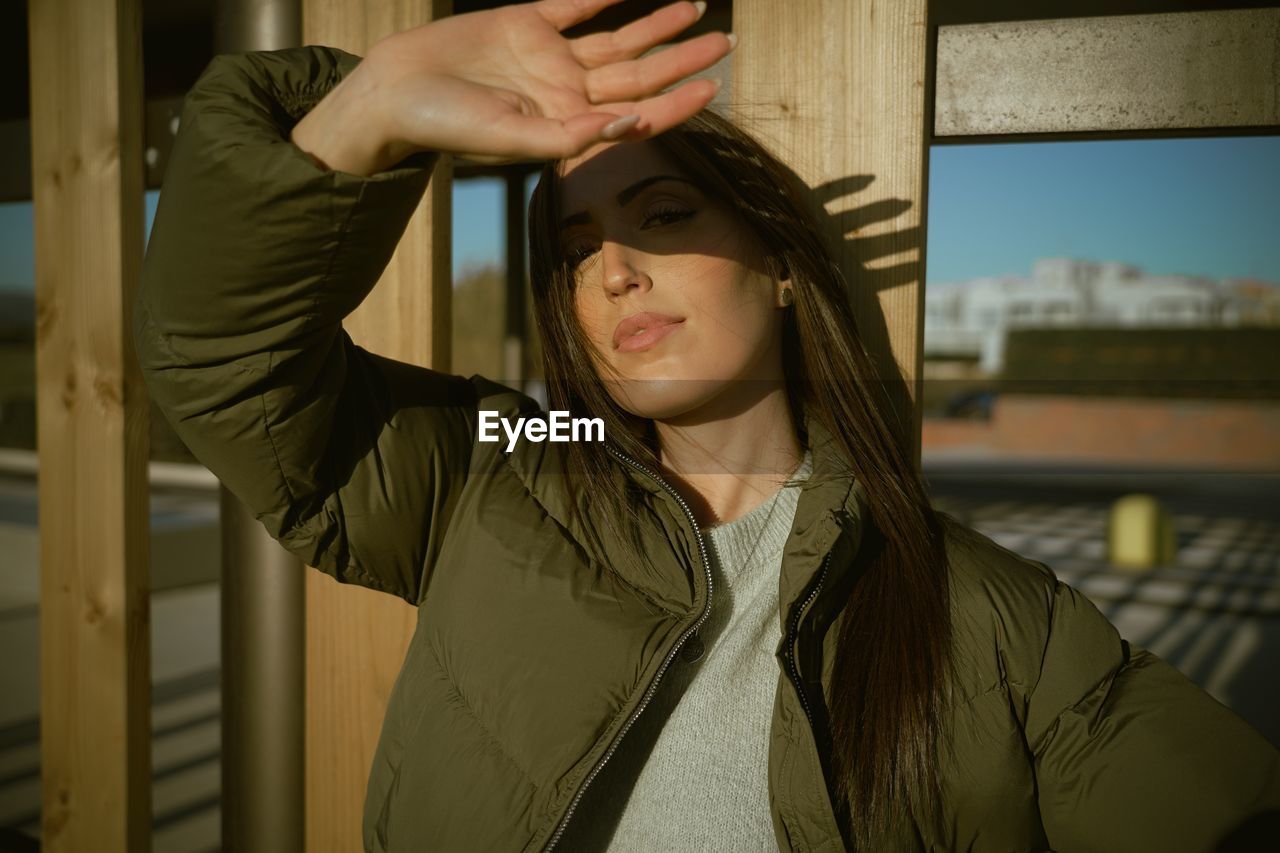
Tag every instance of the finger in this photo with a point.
(665, 111)
(640, 78)
(563, 14)
(536, 137)
(636, 37)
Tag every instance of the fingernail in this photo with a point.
(619, 126)
(733, 40)
(701, 7)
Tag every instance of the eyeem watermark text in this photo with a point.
(557, 426)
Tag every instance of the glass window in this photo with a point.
(1101, 348)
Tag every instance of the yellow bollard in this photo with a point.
(1140, 533)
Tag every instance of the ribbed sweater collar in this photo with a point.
(761, 533)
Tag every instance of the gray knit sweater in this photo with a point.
(691, 774)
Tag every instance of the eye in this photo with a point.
(665, 215)
(578, 251)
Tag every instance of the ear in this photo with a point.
(782, 273)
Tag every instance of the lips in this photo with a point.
(643, 330)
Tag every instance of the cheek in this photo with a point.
(725, 286)
(734, 304)
(592, 311)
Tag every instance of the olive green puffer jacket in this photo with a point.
(532, 657)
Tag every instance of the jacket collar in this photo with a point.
(830, 515)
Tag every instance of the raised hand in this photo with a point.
(505, 84)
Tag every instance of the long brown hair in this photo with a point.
(894, 644)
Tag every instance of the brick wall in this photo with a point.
(1219, 433)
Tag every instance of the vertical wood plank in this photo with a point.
(86, 127)
(838, 89)
(515, 350)
(356, 639)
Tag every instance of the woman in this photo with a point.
(877, 677)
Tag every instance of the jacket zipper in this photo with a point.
(795, 636)
(648, 694)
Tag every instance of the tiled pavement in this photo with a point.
(1214, 612)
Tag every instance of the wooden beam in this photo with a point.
(1115, 73)
(837, 88)
(515, 344)
(356, 639)
(86, 128)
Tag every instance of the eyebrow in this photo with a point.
(624, 197)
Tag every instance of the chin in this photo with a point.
(663, 399)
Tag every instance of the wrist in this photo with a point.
(348, 132)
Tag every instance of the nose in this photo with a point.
(623, 269)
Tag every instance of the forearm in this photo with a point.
(253, 246)
(255, 259)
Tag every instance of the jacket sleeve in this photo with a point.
(353, 461)
(1130, 755)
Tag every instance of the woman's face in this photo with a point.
(671, 288)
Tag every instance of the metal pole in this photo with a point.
(243, 25)
(263, 596)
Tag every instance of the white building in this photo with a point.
(970, 318)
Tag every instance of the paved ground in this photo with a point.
(1214, 613)
(185, 660)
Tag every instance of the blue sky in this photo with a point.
(479, 235)
(1191, 206)
(479, 230)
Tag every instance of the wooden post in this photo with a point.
(356, 639)
(515, 348)
(838, 88)
(87, 169)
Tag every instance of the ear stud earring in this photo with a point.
(787, 297)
